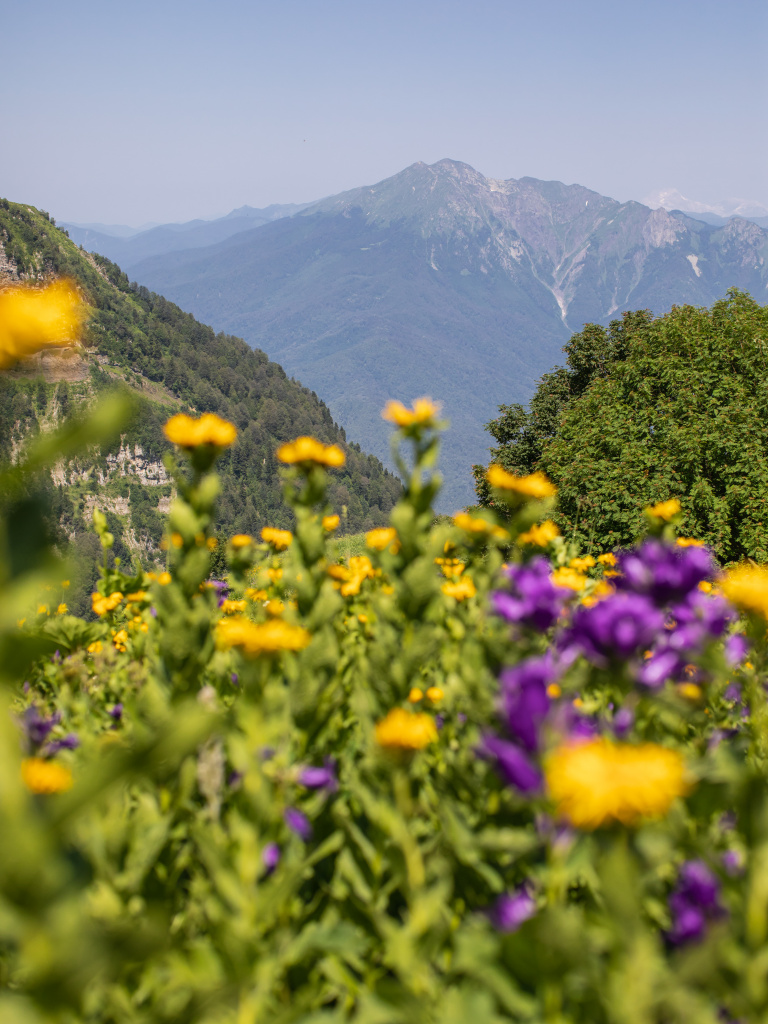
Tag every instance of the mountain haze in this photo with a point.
(440, 281)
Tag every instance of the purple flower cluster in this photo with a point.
(222, 590)
(666, 574)
(524, 706)
(694, 903)
(320, 778)
(533, 600)
(618, 627)
(695, 623)
(513, 909)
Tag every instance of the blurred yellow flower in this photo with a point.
(569, 578)
(746, 586)
(404, 730)
(62, 609)
(137, 596)
(255, 595)
(450, 567)
(330, 523)
(350, 577)
(231, 607)
(689, 542)
(265, 638)
(554, 691)
(275, 607)
(211, 543)
(308, 449)
(435, 694)
(607, 559)
(279, 539)
(187, 432)
(582, 564)
(461, 589)
(665, 509)
(120, 639)
(42, 609)
(164, 579)
(540, 535)
(40, 776)
(65, 584)
(382, 538)
(423, 413)
(34, 318)
(690, 691)
(598, 781)
(102, 604)
(95, 647)
(534, 486)
(415, 695)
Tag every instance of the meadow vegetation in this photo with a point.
(465, 772)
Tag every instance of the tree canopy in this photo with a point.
(648, 409)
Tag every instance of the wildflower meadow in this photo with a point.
(470, 775)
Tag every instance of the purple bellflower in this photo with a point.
(512, 909)
(320, 778)
(694, 902)
(664, 573)
(533, 601)
(615, 628)
(298, 823)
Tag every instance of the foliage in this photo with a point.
(353, 824)
(647, 409)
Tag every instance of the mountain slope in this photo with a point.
(171, 361)
(440, 281)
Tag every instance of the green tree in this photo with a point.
(648, 409)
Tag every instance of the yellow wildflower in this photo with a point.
(705, 587)
(307, 449)
(415, 695)
(607, 559)
(265, 638)
(540, 535)
(275, 607)
(422, 414)
(665, 509)
(534, 486)
(450, 567)
(382, 538)
(120, 639)
(690, 691)
(569, 578)
(187, 432)
(231, 607)
(461, 589)
(65, 584)
(601, 590)
(554, 691)
(255, 595)
(42, 609)
(95, 647)
(404, 730)
(597, 782)
(241, 540)
(279, 539)
(42, 776)
(137, 596)
(689, 542)
(33, 318)
(330, 523)
(62, 609)
(350, 578)
(435, 694)
(747, 587)
(582, 564)
(20, 622)
(177, 540)
(164, 579)
(101, 605)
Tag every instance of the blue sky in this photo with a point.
(164, 111)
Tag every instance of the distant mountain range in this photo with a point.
(711, 213)
(127, 246)
(440, 281)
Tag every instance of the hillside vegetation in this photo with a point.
(168, 361)
(647, 409)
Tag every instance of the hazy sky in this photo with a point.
(166, 110)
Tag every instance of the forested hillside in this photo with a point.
(650, 409)
(169, 361)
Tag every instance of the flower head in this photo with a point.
(307, 450)
(461, 589)
(42, 776)
(382, 538)
(597, 782)
(694, 901)
(33, 318)
(616, 627)
(747, 587)
(512, 909)
(533, 600)
(423, 413)
(665, 509)
(265, 638)
(404, 730)
(475, 526)
(664, 572)
(539, 535)
(298, 823)
(524, 699)
(513, 764)
(330, 523)
(279, 539)
(534, 486)
(209, 429)
(241, 540)
(102, 605)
